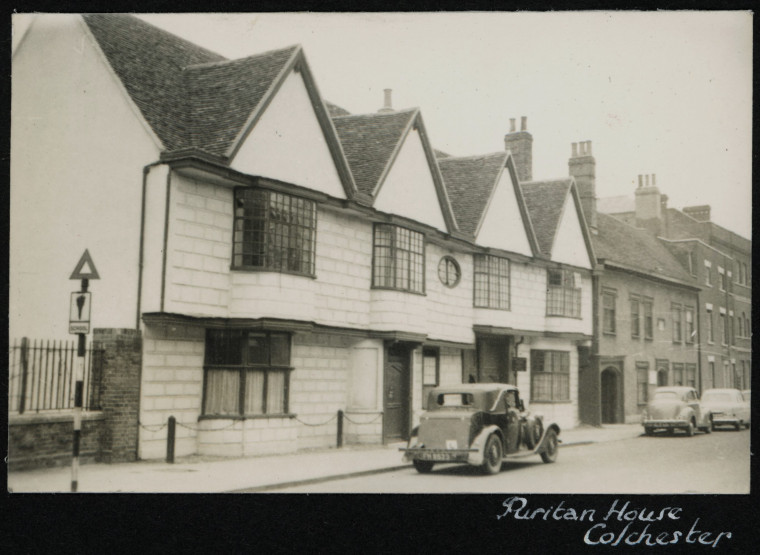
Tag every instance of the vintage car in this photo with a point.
(481, 425)
(673, 408)
(727, 407)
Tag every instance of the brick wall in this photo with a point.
(41, 440)
(120, 386)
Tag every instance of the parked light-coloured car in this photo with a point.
(727, 407)
(481, 425)
(675, 408)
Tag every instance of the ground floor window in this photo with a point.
(691, 375)
(550, 375)
(677, 373)
(246, 373)
(642, 379)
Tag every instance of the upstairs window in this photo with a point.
(609, 299)
(709, 326)
(689, 319)
(648, 319)
(723, 279)
(635, 317)
(563, 293)
(724, 324)
(677, 324)
(550, 375)
(491, 282)
(398, 259)
(246, 373)
(274, 231)
(708, 273)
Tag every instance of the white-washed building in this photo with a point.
(283, 260)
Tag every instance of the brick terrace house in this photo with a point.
(280, 258)
(719, 260)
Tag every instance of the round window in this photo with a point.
(449, 271)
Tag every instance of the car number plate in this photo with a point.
(435, 456)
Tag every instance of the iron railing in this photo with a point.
(42, 376)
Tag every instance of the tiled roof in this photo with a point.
(368, 142)
(469, 182)
(545, 200)
(190, 96)
(334, 110)
(223, 95)
(440, 154)
(635, 248)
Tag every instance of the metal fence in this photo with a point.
(42, 376)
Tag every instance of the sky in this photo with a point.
(664, 93)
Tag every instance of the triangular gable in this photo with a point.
(409, 188)
(505, 224)
(571, 244)
(287, 141)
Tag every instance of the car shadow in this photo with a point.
(469, 470)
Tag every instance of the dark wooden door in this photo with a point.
(396, 399)
(609, 396)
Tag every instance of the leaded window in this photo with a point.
(550, 375)
(563, 293)
(246, 373)
(398, 260)
(274, 231)
(491, 282)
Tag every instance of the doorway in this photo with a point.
(662, 377)
(396, 387)
(610, 395)
(494, 360)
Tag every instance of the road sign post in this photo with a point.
(79, 324)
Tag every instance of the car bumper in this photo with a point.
(724, 419)
(437, 455)
(670, 424)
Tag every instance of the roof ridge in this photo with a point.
(244, 58)
(378, 114)
(474, 156)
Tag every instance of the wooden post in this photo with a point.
(340, 428)
(170, 439)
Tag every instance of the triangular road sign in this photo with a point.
(85, 268)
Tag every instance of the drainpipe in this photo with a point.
(140, 263)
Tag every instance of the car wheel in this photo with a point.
(423, 467)
(492, 455)
(690, 428)
(707, 429)
(648, 430)
(738, 426)
(552, 446)
(713, 427)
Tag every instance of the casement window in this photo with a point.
(677, 313)
(722, 277)
(690, 332)
(609, 298)
(398, 259)
(724, 328)
(635, 317)
(430, 373)
(642, 381)
(563, 293)
(691, 375)
(247, 373)
(711, 365)
(708, 273)
(677, 373)
(491, 282)
(550, 376)
(274, 231)
(648, 319)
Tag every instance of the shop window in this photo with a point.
(491, 282)
(398, 259)
(246, 373)
(550, 376)
(274, 231)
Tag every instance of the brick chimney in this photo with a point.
(648, 199)
(700, 213)
(520, 144)
(387, 105)
(583, 169)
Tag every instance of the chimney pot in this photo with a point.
(524, 123)
(512, 125)
(640, 180)
(588, 143)
(575, 149)
(653, 182)
(388, 102)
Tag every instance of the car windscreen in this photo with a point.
(454, 400)
(666, 395)
(718, 397)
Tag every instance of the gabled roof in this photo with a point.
(628, 247)
(545, 201)
(370, 141)
(470, 181)
(335, 110)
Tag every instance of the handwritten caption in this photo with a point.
(622, 523)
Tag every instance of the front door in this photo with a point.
(396, 398)
(609, 396)
(493, 360)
